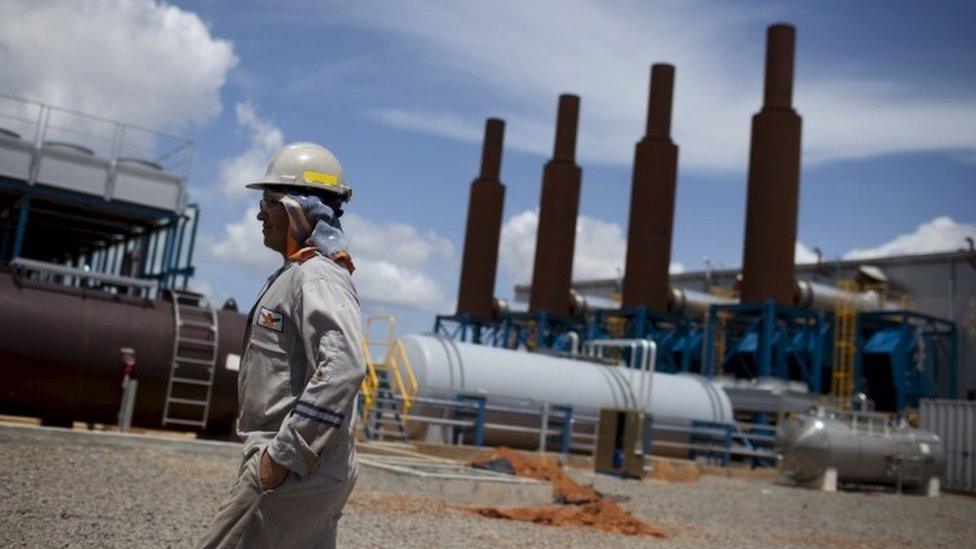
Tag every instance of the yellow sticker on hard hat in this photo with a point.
(319, 177)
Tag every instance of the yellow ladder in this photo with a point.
(395, 367)
(718, 351)
(845, 327)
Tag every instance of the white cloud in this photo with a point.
(136, 61)
(802, 254)
(242, 245)
(398, 243)
(517, 56)
(265, 138)
(599, 250)
(395, 263)
(942, 234)
(385, 282)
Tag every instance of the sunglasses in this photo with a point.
(269, 200)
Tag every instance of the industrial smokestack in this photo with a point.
(768, 270)
(553, 268)
(652, 201)
(477, 288)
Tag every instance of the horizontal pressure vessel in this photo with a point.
(61, 362)
(446, 368)
(861, 449)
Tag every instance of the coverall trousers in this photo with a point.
(300, 513)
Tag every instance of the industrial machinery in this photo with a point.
(835, 340)
(619, 446)
(823, 449)
(96, 256)
(446, 369)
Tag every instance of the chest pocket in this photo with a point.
(268, 340)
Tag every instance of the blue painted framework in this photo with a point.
(512, 330)
(770, 340)
(174, 225)
(920, 351)
(678, 338)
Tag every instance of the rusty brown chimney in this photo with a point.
(652, 201)
(552, 270)
(768, 269)
(477, 288)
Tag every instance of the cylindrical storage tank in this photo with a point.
(823, 297)
(693, 303)
(862, 451)
(446, 368)
(60, 351)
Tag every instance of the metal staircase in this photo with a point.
(191, 376)
(390, 387)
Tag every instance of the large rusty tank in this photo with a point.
(60, 354)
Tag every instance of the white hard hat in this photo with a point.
(305, 165)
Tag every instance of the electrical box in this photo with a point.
(619, 442)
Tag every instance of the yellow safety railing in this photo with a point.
(396, 363)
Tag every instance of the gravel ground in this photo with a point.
(74, 489)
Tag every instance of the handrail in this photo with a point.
(414, 387)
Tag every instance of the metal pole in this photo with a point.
(193, 241)
(767, 313)
(544, 427)
(181, 223)
(709, 358)
(21, 225)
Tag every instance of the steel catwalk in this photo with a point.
(768, 270)
(552, 270)
(480, 261)
(645, 281)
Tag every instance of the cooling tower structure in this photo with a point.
(645, 281)
(553, 267)
(768, 270)
(480, 260)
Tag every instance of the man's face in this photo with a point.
(274, 220)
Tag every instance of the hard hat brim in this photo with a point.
(342, 191)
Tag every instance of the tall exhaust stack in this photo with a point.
(552, 270)
(768, 270)
(652, 201)
(480, 261)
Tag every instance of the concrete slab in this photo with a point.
(449, 481)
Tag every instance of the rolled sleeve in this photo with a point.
(328, 319)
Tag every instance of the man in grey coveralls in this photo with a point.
(301, 369)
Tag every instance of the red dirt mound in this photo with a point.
(582, 505)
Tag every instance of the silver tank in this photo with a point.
(863, 448)
(445, 368)
(823, 297)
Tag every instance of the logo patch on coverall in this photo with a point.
(269, 319)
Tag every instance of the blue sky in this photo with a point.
(400, 90)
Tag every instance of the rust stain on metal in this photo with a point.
(559, 205)
(768, 269)
(480, 259)
(652, 201)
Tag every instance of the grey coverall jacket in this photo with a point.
(300, 374)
